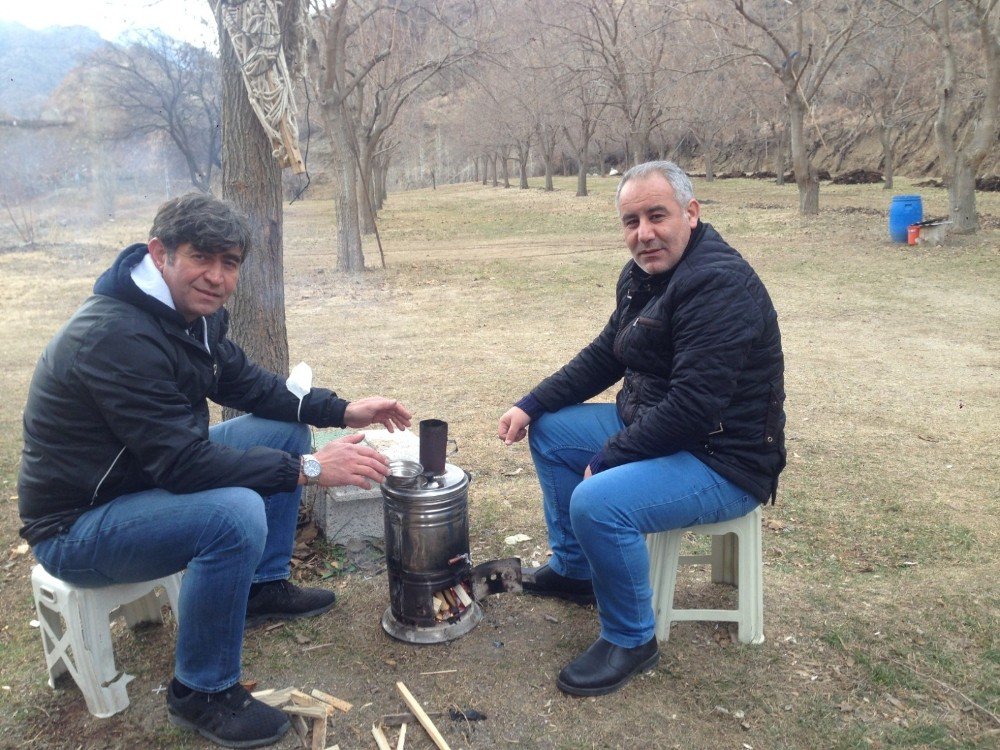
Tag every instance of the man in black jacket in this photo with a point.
(123, 480)
(696, 435)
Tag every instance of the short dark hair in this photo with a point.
(209, 224)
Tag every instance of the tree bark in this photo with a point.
(251, 181)
(806, 176)
(581, 175)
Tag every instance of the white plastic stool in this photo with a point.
(744, 570)
(76, 631)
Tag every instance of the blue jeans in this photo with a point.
(225, 538)
(597, 527)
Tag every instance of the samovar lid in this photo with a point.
(406, 480)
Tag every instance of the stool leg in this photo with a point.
(751, 581)
(725, 559)
(663, 561)
(102, 685)
(143, 611)
(172, 585)
(53, 631)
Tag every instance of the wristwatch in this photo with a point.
(310, 468)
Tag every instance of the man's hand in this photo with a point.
(513, 425)
(345, 461)
(377, 410)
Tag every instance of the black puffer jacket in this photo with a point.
(700, 353)
(118, 404)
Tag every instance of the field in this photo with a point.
(882, 604)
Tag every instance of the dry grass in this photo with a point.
(881, 600)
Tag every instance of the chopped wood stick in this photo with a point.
(301, 699)
(319, 734)
(301, 729)
(422, 717)
(316, 646)
(402, 736)
(440, 671)
(380, 739)
(329, 699)
(274, 698)
(312, 712)
(463, 596)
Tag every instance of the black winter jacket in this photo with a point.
(700, 353)
(118, 404)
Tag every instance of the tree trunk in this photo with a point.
(806, 176)
(475, 169)
(496, 179)
(366, 191)
(350, 256)
(581, 173)
(522, 157)
(962, 198)
(888, 155)
(251, 181)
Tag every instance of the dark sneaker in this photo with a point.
(544, 581)
(231, 718)
(282, 600)
(605, 667)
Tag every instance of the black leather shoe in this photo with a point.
(283, 600)
(544, 581)
(605, 667)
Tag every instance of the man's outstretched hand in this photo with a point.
(377, 410)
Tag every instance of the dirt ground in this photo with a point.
(881, 604)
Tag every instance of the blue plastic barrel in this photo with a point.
(905, 210)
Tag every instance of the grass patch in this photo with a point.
(880, 554)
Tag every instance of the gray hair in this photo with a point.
(678, 179)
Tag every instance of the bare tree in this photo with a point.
(961, 29)
(394, 49)
(159, 85)
(800, 42)
(885, 88)
(625, 44)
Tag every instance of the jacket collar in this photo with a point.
(119, 281)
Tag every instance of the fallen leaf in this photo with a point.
(514, 473)
(517, 539)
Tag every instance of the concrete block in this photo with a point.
(345, 513)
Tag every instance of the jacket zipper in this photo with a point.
(97, 489)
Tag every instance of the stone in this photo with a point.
(347, 513)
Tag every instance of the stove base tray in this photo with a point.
(442, 633)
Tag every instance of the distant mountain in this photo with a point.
(33, 63)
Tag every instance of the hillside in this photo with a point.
(35, 63)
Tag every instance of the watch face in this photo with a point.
(311, 467)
